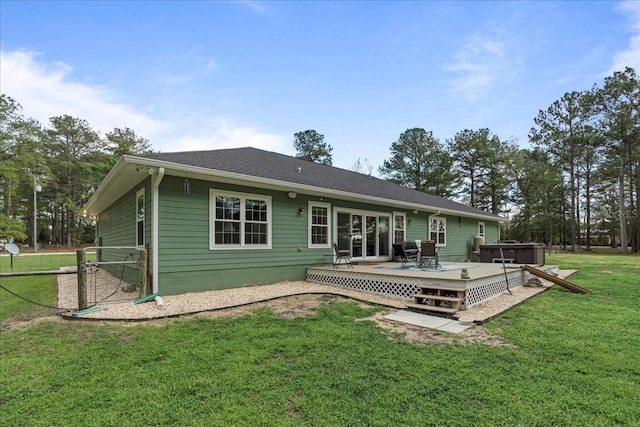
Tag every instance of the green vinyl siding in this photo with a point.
(117, 226)
(187, 264)
(460, 232)
(491, 232)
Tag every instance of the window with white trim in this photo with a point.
(239, 221)
(140, 205)
(438, 230)
(481, 229)
(319, 225)
(399, 227)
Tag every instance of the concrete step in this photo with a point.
(437, 308)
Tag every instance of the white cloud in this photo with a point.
(630, 57)
(186, 67)
(216, 133)
(484, 59)
(48, 90)
(257, 7)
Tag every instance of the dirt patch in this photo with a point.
(23, 322)
(420, 335)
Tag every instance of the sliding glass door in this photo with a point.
(384, 235)
(365, 235)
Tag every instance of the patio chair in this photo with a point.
(406, 251)
(341, 255)
(428, 255)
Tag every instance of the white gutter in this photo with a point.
(155, 184)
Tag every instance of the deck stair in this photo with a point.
(437, 298)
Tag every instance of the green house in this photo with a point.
(227, 218)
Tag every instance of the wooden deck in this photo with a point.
(389, 278)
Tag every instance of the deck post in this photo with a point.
(82, 280)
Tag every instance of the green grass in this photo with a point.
(575, 362)
(45, 262)
(41, 289)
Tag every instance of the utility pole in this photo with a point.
(36, 190)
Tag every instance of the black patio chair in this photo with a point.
(341, 255)
(406, 251)
(428, 255)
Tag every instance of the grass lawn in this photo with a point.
(30, 262)
(40, 289)
(574, 362)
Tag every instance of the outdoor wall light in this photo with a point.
(300, 211)
(186, 187)
(292, 195)
(415, 211)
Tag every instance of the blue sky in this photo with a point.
(195, 75)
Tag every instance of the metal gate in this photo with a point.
(117, 273)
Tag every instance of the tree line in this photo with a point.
(67, 160)
(577, 185)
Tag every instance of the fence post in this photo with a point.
(142, 272)
(82, 279)
(147, 267)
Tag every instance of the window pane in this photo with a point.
(219, 207)
(319, 235)
(255, 234)
(140, 238)
(263, 211)
(399, 222)
(255, 210)
(227, 233)
(140, 208)
(227, 208)
(319, 215)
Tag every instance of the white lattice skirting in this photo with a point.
(483, 289)
(395, 286)
(477, 291)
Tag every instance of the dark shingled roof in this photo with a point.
(274, 166)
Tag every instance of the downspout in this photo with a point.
(155, 184)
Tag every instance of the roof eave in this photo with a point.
(118, 181)
(171, 168)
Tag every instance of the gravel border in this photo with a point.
(197, 302)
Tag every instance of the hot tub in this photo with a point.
(519, 253)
